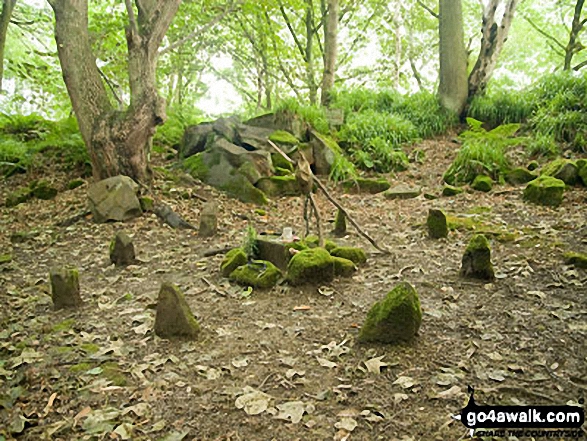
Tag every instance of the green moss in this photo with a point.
(582, 166)
(240, 188)
(5, 258)
(42, 190)
(312, 241)
(61, 350)
(519, 176)
(283, 137)
(18, 197)
(476, 261)
(313, 266)
(282, 163)
(563, 169)
(577, 259)
(450, 190)
(75, 183)
(260, 212)
(437, 224)
(482, 183)
(364, 185)
(343, 267)
(258, 274)
(233, 259)
(63, 326)
(80, 367)
(147, 203)
(282, 172)
(395, 319)
(340, 223)
(90, 348)
(533, 165)
(112, 372)
(356, 255)
(196, 167)
(545, 190)
(279, 186)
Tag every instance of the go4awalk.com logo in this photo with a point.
(561, 421)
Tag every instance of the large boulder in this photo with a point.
(194, 139)
(394, 319)
(545, 190)
(114, 199)
(281, 120)
(323, 149)
(563, 169)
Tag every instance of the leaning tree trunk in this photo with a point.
(452, 89)
(574, 46)
(309, 52)
(118, 142)
(330, 50)
(494, 36)
(7, 8)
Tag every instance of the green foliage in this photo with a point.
(503, 107)
(171, 132)
(313, 115)
(249, 245)
(342, 169)
(482, 153)
(543, 145)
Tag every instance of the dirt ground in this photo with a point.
(101, 373)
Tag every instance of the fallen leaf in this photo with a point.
(405, 382)
(292, 411)
(253, 401)
(449, 393)
(240, 363)
(326, 363)
(374, 365)
(348, 424)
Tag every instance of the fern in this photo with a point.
(249, 244)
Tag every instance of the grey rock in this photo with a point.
(114, 199)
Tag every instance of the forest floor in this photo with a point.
(101, 373)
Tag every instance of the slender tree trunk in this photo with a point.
(452, 88)
(7, 8)
(118, 142)
(309, 53)
(573, 46)
(330, 50)
(494, 36)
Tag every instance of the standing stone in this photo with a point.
(208, 220)
(114, 199)
(173, 317)
(476, 262)
(65, 288)
(436, 223)
(122, 250)
(339, 224)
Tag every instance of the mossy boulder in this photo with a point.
(257, 273)
(240, 188)
(18, 196)
(313, 266)
(395, 319)
(519, 176)
(43, 190)
(279, 161)
(284, 138)
(563, 169)
(173, 317)
(312, 241)
(482, 183)
(450, 190)
(75, 183)
(233, 259)
(276, 186)
(476, 263)
(355, 255)
(533, 165)
(365, 185)
(147, 203)
(403, 191)
(579, 260)
(65, 290)
(437, 224)
(545, 190)
(196, 167)
(344, 267)
(582, 166)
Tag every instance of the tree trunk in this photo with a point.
(330, 50)
(7, 8)
(309, 53)
(494, 36)
(452, 89)
(574, 46)
(118, 142)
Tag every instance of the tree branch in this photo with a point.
(111, 87)
(540, 31)
(291, 31)
(430, 10)
(580, 65)
(131, 17)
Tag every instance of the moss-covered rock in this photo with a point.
(283, 137)
(563, 169)
(482, 183)
(173, 317)
(533, 165)
(437, 224)
(249, 171)
(339, 224)
(313, 266)
(519, 176)
(147, 203)
(476, 261)
(356, 255)
(18, 196)
(582, 166)
(65, 290)
(365, 185)
(257, 273)
(279, 161)
(276, 186)
(545, 190)
(75, 183)
(312, 241)
(43, 190)
(282, 172)
(403, 191)
(196, 167)
(577, 259)
(343, 267)
(240, 188)
(233, 259)
(450, 190)
(394, 319)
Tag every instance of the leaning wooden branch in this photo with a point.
(335, 203)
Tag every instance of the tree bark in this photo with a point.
(574, 46)
(118, 141)
(309, 52)
(494, 36)
(452, 89)
(7, 8)
(330, 50)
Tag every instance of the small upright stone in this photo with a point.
(395, 319)
(122, 250)
(436, 223)
(65, 288)
(340, 224)
(173, 317)
(208, 220)
(476, 261)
